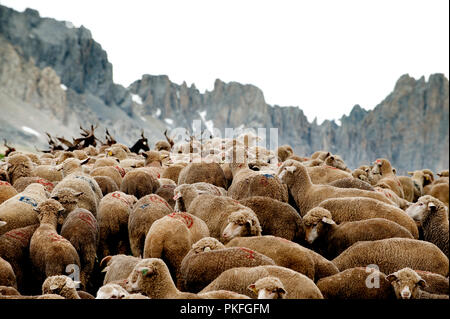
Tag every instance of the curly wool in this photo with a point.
(242, 216)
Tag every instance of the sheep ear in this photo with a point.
(328, 221)
(85, 161)
(144, 154)
(36, 209)
(2, 223)
(145, 271)
(328, 154)
(422, 283)
(252, 287)
(78, 194)
(105, 269)
(391, 277)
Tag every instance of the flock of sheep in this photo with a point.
(221, 219)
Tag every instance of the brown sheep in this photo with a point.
(171, 237)
(441, 192)
(81, 229)
(408, 284)
(145, 212)
(393, 254)
(325, 174)
(356, 283)
(7, 276)
(276, 218)
(15, 249)
(199, 269)
(6, 191)
(268, 288)
(139, 183)
(308, 195)
(113, 214)
(225, 217)
(167, 192)
(106, 184)
(350, 182)
(348, 209)
(173, 172)
(210, 173)
(383, 167)
(436, 284)
(186, 193)
(432, 214)
(283, 152)
(109, 171)
(23, 182)
(247, 183)
(50, 253)
(18, 165)
(408, 187)
(330, 239)
(118, 268)
(297, 286)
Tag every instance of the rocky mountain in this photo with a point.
(54, 77)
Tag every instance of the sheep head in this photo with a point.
(150, 276)
(241, 223)
(68, 198)
(336, 161)
(59, 285)
(49, 211)
(291, 171)
(152, 158)
(268, 288)
(316, 223)
(406, 283)
(425, 207)
(207, 244)
(111, 291)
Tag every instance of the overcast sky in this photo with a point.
(323, 56)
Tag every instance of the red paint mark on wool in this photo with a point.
(330, 167)
(156, 199)
(87, 218)
(4, 183)
(47, 185)
(251, 253)
(18, 235)
(121, 170)
(117, 196)
(188, 220)
(55, 237)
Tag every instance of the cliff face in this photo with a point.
(54, 77)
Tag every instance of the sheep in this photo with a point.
(436, 284)
(88, 193)
(276, 218)
(407, 284)
(349, 209)
(163, 145)
(152, 159)
(432, 214)
(283, 152)
(113, 214)
(408, 187)
(81, 229)
(167, 192)
(112, 291)
(48, 172)
(268, 288)
(384, 189)
(441, 192)
(197, 270)
(330, 239)
(202, 172)
(18, 165)
(6, 191)
(420, 180)
(186, 193)
(106, 161)
(325, 174)
(361, 175)
(50, 253)
(106, 184)
(109, 171)
(72, 166)
(14, 248)
(23, 182)
(145, 212)
(383, 167)
(173, 172)
(296, 285)
(139, 183)
(393, 254)
(116, 152)
(118, 267)
(356, 283)
(7, 276)
(18, 211)
(350, 182)
(225, 217)
(60, 285)
(8, 291)
(171, 237)
(248, 183)
(288, 254)
(308, 195)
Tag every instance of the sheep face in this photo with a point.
(424, 206)
(59, 285)
(335, 161)
(406, 283)
(316, 224)
(49, 211)
(241, 224)
(111, 291)
(68, 199)
(146, 274)
(286, 174)
(268, 288)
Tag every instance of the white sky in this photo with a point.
(323, 56)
